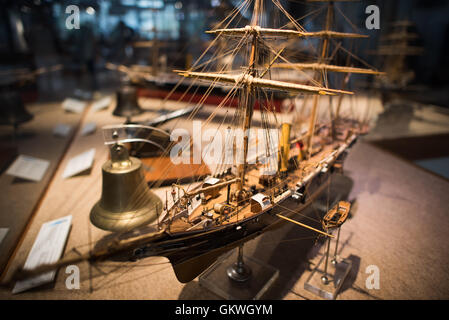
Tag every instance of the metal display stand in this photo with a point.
(326, 279)
(238, 277)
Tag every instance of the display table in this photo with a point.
(20, 198)
(399, 222)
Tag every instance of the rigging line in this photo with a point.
(264, 138)
(216, 58)
(272, 62)
(199, 251)
(313, 12)
(205, 96)
(270, 111)
(305, 226)
(231, 94)
(233, 12)
(235, 125)
(267, 125)
(210, 118)
(273, 142)
(167, 263)
(199, 59)
(307, 193)
(229, 137)
(299, 214)
(167, 169)
(127, 269)
(300, 71)
(141, 145)
(347, 19)
(357, 58)
(286, 240)
(220, 166)
(106, 282)
(244, 201)
(295, 24)
(194, 81)
(312, 18)
(218, 128)
(216, 53)
(199, 105)
(334, 52)
(190, 101)
(264, 123)
(246, 4)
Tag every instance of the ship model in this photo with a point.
(395, 48)
(197, 223)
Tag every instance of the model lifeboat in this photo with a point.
(336, 216)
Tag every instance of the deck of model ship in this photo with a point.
(195, 220)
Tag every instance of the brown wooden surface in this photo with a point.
(163, 170)
(7, 156)
(20, 198)
(399, 223)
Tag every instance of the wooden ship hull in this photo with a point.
(192, 250)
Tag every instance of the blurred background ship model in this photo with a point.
(12, 109)
(395, 49)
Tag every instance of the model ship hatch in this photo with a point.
(211, 192)
(260, 202)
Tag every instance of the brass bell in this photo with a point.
(127, 104)
(126, 200)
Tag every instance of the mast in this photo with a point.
(250, 80)
(324, 50)
(248, 97)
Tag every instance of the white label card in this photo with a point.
(3, 232)
(101, 104)
(89, 128)
(62, 130)
(28, 168)
(79, 163)
(73, 105)
(47, 249)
